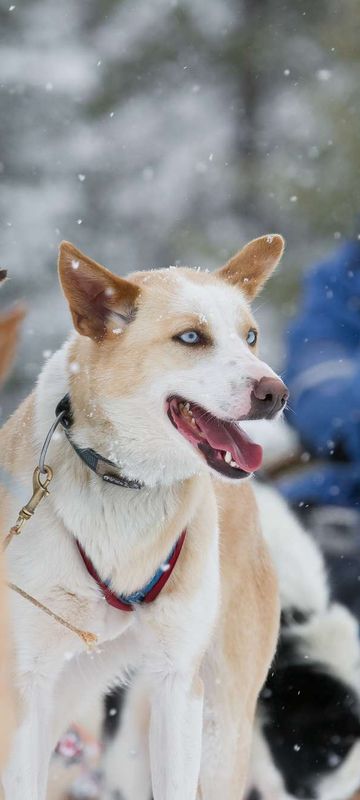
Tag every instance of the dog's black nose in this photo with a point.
(269, 395)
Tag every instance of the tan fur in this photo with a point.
(10, 323)
(252, 266)
(6, 689)
(237, 661)
(9, 332)
(248, 620)
(93, 292)
(20, 457)
(246, 633)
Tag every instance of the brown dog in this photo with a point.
(9, 332)
(150, 512)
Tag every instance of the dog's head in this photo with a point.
(169, 358)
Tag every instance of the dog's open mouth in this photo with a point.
(225, 447)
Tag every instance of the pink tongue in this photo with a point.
(228, 436)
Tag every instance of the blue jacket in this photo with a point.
(323, 375)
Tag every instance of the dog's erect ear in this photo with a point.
(10, 323)
(100, 303)
(250, 268)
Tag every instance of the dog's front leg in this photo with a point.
(25, 775)
(175, 635)
(175, 736)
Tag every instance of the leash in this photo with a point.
(42, 476)
(108, 472)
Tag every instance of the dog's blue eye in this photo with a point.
(251, 337)
(189, 337)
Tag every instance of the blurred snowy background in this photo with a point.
(155, 132)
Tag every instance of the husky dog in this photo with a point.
(306, 741)
(150, 537)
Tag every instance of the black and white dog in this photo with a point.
(307, 734)
(307, 737)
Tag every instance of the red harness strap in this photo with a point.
(146, 595)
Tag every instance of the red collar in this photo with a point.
(145, 595)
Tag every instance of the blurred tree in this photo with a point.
(172, 131)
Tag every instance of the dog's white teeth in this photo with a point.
(186, 411)
(229, 460)
(193, 421)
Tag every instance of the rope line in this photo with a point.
(87, 637)
(40, 491)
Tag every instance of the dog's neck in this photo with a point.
(126, 532)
